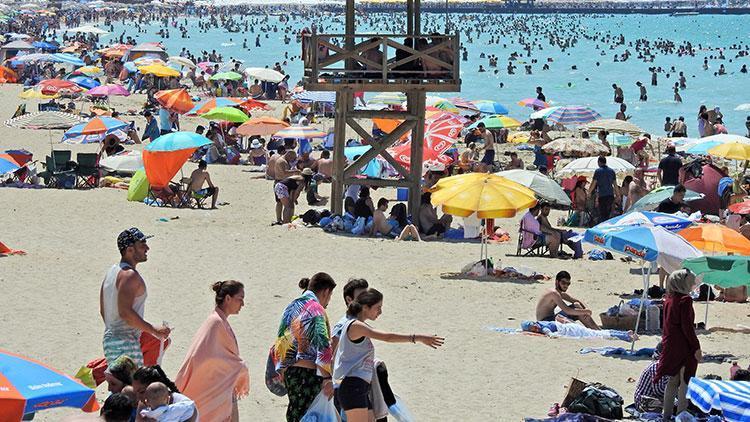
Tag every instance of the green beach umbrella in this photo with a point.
(723, 271)
(651, 200)
(228, 114)
(497, 122)
(226, 76)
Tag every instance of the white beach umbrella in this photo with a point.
(543, 186)
(126, 162)
(182, 61)
(264, 74)
(614, 125)
(588, 165)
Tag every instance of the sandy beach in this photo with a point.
(50, 296)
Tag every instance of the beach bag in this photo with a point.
(598, 400)
(311, 217)
(274, 380)
(321, 410)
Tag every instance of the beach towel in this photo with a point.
(645, 352)
(213, 374)
(4, 250)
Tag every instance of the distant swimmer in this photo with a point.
(619, 96)
(644, 94)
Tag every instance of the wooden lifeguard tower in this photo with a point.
(409, 63)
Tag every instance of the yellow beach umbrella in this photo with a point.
(36, 95)
(518, 138)
(159, 70)
(487, 195)
(731, 150)
(92, 71)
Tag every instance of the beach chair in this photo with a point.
(538, 248)
(88, 172)
(191, 199)
(54, 176)
(61, 158)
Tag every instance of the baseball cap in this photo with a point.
(129, 237)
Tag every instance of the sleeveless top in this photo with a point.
(113, 323)
(354, 359)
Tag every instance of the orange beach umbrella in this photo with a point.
(264, 125)
(177, 100)
(716, 238)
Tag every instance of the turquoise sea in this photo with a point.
(562, 85)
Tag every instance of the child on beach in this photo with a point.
(160, 410)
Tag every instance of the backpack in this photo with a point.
(311, 217)
(598, 400)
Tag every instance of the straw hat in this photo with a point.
(255, 144)
(307, 171)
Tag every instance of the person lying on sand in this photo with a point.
(559, 298)
(555, 328)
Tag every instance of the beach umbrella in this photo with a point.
(740, 208)
(263, 74)
(463, 103)
(497, 122)
(445, 105)
(54, 86)
(544, 187)
(444, 115)
(732, 398)
(490, 107)
(250, 105)
(226, 76)
(648, 244)
(543, 113)
(588, 165)
(33, 58)
(159, 70)
(109, 90)
(227, 114)
(7, 75)
(96, 126)
(29, 386)
(582, 146)
(8, 164)
(533, 103)
(651, 200)
(45, 120)
(148, 61)
(68, 59)
(36, 94)
(432, 151)
(91, 71)
(207, 105)
(732, 151)
(614, 125)
(715, 238)
(124, 162)
(573, 115)
(315, 97)
(176, 100)
(487, 195)
(726, 137)
(45, 46)
(443, 130)
(165, 156)
(701, 147)
(182, 61)
(260, 126)
(300, 132)
(84, 82)
(723, 271)
(389, 98)
(648, 218)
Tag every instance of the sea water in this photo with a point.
(562, 85)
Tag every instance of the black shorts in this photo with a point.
(354, 393)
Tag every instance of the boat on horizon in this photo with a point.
(685, 13)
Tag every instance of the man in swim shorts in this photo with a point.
(198, 178)
(571, 309)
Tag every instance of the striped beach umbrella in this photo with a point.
(573, 115)
(490, 107)
(28, 386)
(315, 96)
(497, 122)
(533, 103)
(8, 164)
(97, 126)
(732, 398)
(389, 98)
(205, 106)
(300, 132)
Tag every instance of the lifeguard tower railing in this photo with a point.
(381, 63)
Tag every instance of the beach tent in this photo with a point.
(13, 48)
(28, 386)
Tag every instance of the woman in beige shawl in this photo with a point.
(213, 374)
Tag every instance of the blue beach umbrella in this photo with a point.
(27, 386)
(573, 115)
(84, 82)
(732, 398)
(177, 141)
(649, 218)
(7, 164)
(43, 45)
(372, 169)
(490, 107)
(701, 148)
(68, 58)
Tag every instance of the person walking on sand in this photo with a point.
(682, 350)
(213, 374)
(302, 350)
(355, 355)
(122, 300)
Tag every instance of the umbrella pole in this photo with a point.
(705, 319)
(646, 276)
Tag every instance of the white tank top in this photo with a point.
(112, 321)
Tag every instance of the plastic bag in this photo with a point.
(400, 412)
(321, 410)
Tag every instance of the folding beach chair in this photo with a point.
(538, 248)
(55, 176)
(88, 172)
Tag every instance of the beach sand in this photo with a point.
(50, 310)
